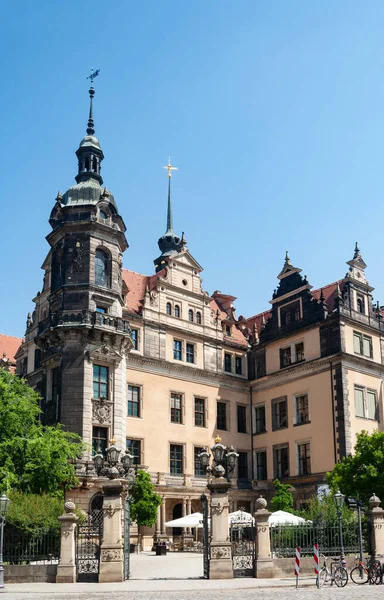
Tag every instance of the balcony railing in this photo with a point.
(85, 318)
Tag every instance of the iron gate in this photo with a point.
(88, 540)
(206, 537)
(127, 536)
(242, 535)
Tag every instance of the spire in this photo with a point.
(357, 251)
(169, 243)
(89, 152)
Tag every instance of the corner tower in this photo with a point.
(77, 329)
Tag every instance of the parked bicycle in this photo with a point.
(337, 574)
(369, 572)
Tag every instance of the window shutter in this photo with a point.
(371, 405)
(359, 402)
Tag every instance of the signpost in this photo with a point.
(297, 566)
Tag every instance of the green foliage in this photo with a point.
(323, 510)
(145, 501)
(33, 458)
(283, 499)
(361, 475)
(33, 513)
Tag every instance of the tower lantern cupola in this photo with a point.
(89, 153)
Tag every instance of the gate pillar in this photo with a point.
(376, 519)
(111, 561)
(264, 560)
(220, 564)
(66, 569)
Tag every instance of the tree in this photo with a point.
(145, 500)
(33, 458)
(361, 475)
(283, 499)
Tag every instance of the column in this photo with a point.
(189, 512)
(163, 516)
(264, 561)
(158, 521)
(376, 518)
(111, 561)
(66, 569)
(220, 548)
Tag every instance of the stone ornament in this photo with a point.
(101, 411)
(261, 503)
(221, 552)
(374, 501)
(110, 510)
(111, 555)
(69, 506)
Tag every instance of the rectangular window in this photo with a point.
(371, 405)
(134, 449)
(177, 349)
(228, 330)
(238, 365)
(37, 358)
(99, 439)
(176, 408)
(101, 310)
(302, 409)
(200, 412)
(198, 467)
(135, 338)
(279, 413)
(304, 456)
(290, 313)
(362, 344)
(299, 351)
(133, 401)
(221, 415)
(176, 459)
(261, 464)
(260, 421)
(55, 384)
(359, 402)
(285, 357)
(190, 353)
(281, 462)
(242, 419)
(100, 382)
(242, 465)
(228, 363)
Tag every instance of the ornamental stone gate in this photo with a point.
(88, 543)
(243, 543)
(127, 536)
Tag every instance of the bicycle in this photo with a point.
(367, 573)
(339, 575)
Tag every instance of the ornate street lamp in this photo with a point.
(339, 501)
(224, 460)
(4, 503)
(110, 466)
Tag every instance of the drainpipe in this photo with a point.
(251, 405)
(333, 413)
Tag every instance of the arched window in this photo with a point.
(360, 304)
(177, 311)
(198, 318)
(101, 268)
(190, 315)
(169, 308)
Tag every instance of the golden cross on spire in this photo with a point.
(170, 168)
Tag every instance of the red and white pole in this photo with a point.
(297, 565)
(316, 562)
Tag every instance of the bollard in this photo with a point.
(297, 566)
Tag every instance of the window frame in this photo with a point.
(190, 315)
(245, 454)
(168, 309)
(177, 311)
(276, 402)
(304, 464)
(227, 355)
(177, 353)
(365, 405)
(198, 317)
(135, 338)
(296, 398)
(361, 337)
(290, 312)
(261, 451)
(104, 279)
(225, 404)
(188, 354)
(95, 448)
(140, 456)
(293, 353)
(181, 460)
(139, 400)
(238, 364)
(175, 411)
(202, 413)
(196, 461)
(243, 420)
(99, 382)
(278, 449)
(256, 420)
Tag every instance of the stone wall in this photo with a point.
(30, 573)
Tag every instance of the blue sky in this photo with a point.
(272, 111)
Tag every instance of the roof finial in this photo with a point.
(357, 251)
(91, 128)
(287, 258)
(169, 210)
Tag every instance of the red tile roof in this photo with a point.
(137, 284)
(9, 346)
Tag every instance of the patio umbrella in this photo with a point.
(193, 520)
(281, 517)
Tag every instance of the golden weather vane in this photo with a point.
(170, 168)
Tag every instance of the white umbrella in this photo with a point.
(193, 520)
(240, 516)
(281, 517)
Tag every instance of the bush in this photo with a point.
(33, 513)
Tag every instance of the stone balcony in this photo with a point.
(84, 318)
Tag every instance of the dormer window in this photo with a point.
(177, 311)
(228, 330)
(290, 312)
(360, 305)
(190, 315)
(103, 215)
(169, 308)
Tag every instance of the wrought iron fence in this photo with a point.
(285, 538)
(22, 548)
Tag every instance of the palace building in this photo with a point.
(163, 366)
